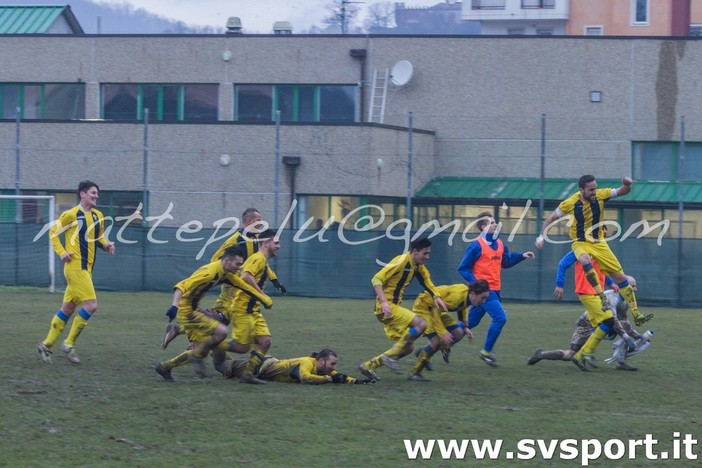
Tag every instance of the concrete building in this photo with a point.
(211, 147)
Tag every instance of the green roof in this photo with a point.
(35, 19)
(497, 188)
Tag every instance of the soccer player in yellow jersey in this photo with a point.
(443, 330)
(586, 231)
(401, 325)
(318, 368)
(203, 328)
(83, 230)
(249, 327)
(246, 239)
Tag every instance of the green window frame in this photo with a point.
(297, 103)
(308, 103)
(60, 101)
(167, 102)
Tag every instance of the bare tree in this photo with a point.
(380, 15)
(341, 13)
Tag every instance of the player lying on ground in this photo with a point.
(317, 368)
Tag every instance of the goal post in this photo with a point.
(38, 210)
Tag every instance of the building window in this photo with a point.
(640, 11)
(254, 103)
(544, 31)
(538, 3)
(337, 103)
(696, 30)
(593, 30)
(515, 31)
(661, 160)
(296, 103)
(166, 102)
(60, 101)
(488, 4)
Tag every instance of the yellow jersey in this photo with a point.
(257, 266)
(207, 277)
(83, 232)
(397, 274)
(586, 214)
(247, 243)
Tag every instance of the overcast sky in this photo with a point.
(256, 15)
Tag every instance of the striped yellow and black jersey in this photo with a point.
(83, 232)
(247, 243)
(397, 274)
(586, 214)
(207, 277)
(257, 266)
(297, 370)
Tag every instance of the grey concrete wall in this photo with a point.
(483, 97)
(185, 169)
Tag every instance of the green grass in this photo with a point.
(114, 410)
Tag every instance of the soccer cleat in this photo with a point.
(44, 352)
(605, 305)
(640, 319)
(580, 362)
(625, 367)
(70, 353)
(489, 359)
(390, 363)
(590, 360)
(368, 373)
(427, 364)
(172, 330)
(418, 378)
(445, 353)
(536, 357)
(164, 372)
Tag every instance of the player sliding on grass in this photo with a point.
(315, 369)
(586, 231)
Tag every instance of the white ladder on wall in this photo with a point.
(379, 90)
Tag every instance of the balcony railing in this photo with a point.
(488, 4)
(538, 3)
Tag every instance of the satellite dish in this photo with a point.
(401, 73)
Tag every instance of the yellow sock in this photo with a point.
(399, 349)
(181, 359)
(256, 358)
(58, 323)
(79, 322)
(592, 342)
(373, 363)
(396, 351)
(629, 296)
(421, 362)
